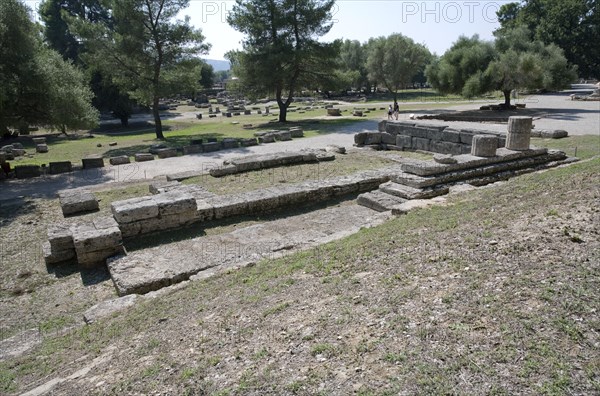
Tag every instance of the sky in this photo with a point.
(437, 24)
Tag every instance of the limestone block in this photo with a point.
(119, 160)
(143, 157)
(519, 133)
(96, 240)
(382, 126)
(108, 308)
(372, 138)
(379, 201)
(248, 142)
(283, 136)
(404, 141)
(168, 222)
(296, 132)
(229, 205)
(268, 138)
(166, 153)
(27, 171)
(135, 209)
(98, 258)
(60, 237)
(39, 140)
(360, 138)
(162, 186)
(92, 162)
(466, 137)
(333, 148)
(445, 159)
(56, 168)
(223, 171)
(420, 144)
(230, 143)
(174, 202)
(388, 138)
(205, 211)
(41, 148)
(334, 112)
(555, 134)
(211, 147)
(484, 145)
(53, 256)
(77, 201)
(192, 149)
(445, 147)
(450, 135)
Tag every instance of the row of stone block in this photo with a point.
(89, 243)
(262, 161)
(178, 206)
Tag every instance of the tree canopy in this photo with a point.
(395, 61)
(573, 25)
(472, 67)
(36, 85)
(146, 51)
(281, 53)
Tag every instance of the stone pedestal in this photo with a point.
(60, 167)
(519, 133)
(119, 160)
(143, 157)
(484, 146)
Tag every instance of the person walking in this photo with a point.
(390, 112)
(396, 110)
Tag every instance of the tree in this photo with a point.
(353, 62)
(207, 76)
(55, 14)
(36, 85)
(473, 67)
(145, 50)
(395, 61)
(281, 53)
(573, 25)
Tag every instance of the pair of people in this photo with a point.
(395, 111)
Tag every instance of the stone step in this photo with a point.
(379, 201)
(468, 175)
(151, 269)
(407, 192)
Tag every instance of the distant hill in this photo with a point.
(218, 65)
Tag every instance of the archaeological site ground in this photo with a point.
(451, 251)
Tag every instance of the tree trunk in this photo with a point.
(283, 106)
(157, 121)
(124, 121)
(507, 98)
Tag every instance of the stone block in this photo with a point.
(18, 152)
(555, 134)
(466, 137)
(98, 258)
(445, 147)
(166, 153)
(41, 148)
(404, 141)
(27, 171)
(39, 140)
(420, 144)
(445, 159)
(449, 135)
(143, 157)
(92, 162)
(283, 136)
(519, 133)
(379, 201)
(88, 241)
(210, 147)
(229, 205)
(334, 112)
(119, 160)
(229, 143)
(382, 126)
(175, 202)
(484, 146)
(52, 256)
(75, 202)
(60, 237)
(223, 171)
(296, 132)
(248, 142)
(372, 138)
(360, 138)
(135, 209)
(388, 138)
(192, 149)
(56, 168)
(268, 138)
(163, 186)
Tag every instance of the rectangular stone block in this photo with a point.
(211, 147)
(296, 132)
(60, 237)
(41, 148)
(372, 138)
(52, 256)
(192, 149)
(27, 171)
(56, 168)
(134, 209)
(87, 241)
(248, 142)
(98, 258)
(167, 222)
(120, 160)
(92, 162)
(283, 136)
(166, 153)
(420, 144)
(484, 146)
(445, 147)
(267, 138)
(163, 186)
(229, 143)
(388, 138)
(143, 157)
(262, 200)
(404, 141)
(39, 140)
(450, 135)
(229, 205)
(77, 201)
(174, 202)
